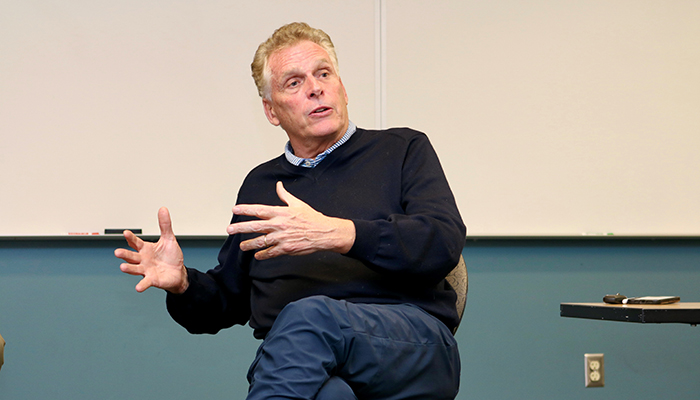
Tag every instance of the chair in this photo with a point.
(459, 280)
(2, 351)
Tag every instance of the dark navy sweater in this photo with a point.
(409, 236)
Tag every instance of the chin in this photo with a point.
(327, 129)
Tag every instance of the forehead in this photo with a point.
(301, 56)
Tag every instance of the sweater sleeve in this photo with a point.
(425, 242)
(217, 299)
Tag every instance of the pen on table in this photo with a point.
(597, 234)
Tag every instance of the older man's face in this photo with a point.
(307, 98)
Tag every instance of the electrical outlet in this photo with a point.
(595, 370)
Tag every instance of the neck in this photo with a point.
(312, 147)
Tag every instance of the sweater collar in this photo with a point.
(313, 162)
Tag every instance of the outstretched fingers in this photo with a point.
(260, 211)
(265, 212)
(132, 258)
(134, 241)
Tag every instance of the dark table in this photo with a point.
(682, 313)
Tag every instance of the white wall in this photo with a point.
(550, 117)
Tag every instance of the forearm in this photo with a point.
(216, 299)
(203, 307)
(416, 247)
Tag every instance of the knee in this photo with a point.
(313, 304)
(317, 315)
(310, 310)
(336, 388)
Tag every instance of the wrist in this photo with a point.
(347, 236)
(183, 285)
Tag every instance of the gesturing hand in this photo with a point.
(295, 229)
(161, 264)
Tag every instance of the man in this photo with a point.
(338, 249)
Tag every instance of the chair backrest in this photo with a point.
(459, 280)
(2, 351)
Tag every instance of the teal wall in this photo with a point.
(77, 329)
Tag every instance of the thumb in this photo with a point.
(285, 196)
(166, 226)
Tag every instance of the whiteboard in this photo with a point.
(112, 109)
(551, 117)
(555, 118)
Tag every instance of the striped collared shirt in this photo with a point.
(312, 162)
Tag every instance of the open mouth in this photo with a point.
(320, 110)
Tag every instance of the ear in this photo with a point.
(270, 112)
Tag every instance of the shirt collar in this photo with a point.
(312, 162)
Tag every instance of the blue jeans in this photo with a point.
(339, 350)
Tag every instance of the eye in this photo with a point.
(292, 83)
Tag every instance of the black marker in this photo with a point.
(121, 231)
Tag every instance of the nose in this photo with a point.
(315, 88)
